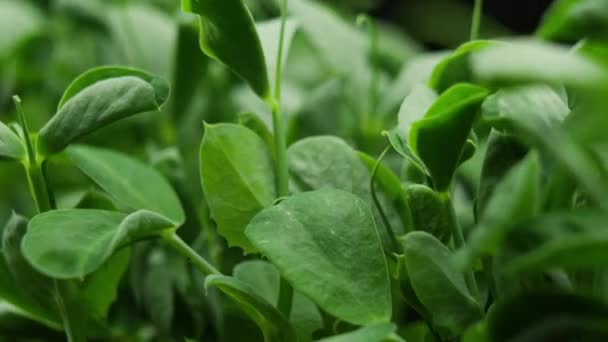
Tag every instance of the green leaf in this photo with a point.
(94, 236)
(328, 249)
(456, 68)
(572, 240)
(438, 285)
(548, 316)
(534, 113)
(228, 34)
(236, 172)
(269, 32)
(439, 138)
(90, 77)
(264, 278)
(129, 181)
(573, 20)
(11, 146)
(329, 162)
(19, 21)
(532, 61)
(22, 285)
(429, 212)
(98, 98)
(515, 200)
(413, 108)
(378, 332)
(400, 145)
(273, 324)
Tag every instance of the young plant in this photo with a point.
(493, 231)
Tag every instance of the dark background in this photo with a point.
(446, 23)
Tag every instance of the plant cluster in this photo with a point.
(480, 219)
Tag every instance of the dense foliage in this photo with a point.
(285, 171)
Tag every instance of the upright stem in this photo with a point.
(459, 242)
(33, 168)
(476, 22)
(280, 145)
(41, 192)
(198, 261)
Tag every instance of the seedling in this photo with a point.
(329, 243)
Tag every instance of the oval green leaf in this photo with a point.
(438, 285)
(328, 249)
(97, 99)
(94, 236)
(228, 34)
(236, 172)
(129, 181)
(439, 138)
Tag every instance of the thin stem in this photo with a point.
(280, 145)
(38, 187)
(459, 242)
(33, 167)
(372, 186)
(198, 261)
(476, 22)
(279, 66)
(42, 196)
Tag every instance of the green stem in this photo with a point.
(42, 196)
(280, 146)
(476, 22)
(198, 261)
(372, 186)
(38, 187)
(459, 242)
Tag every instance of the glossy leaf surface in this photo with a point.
(439, 138)
(236, 172)
(330, 251)
(228, 34)
(97, 98)
(129, 181)
(95, 236)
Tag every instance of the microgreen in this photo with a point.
(292, 171)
